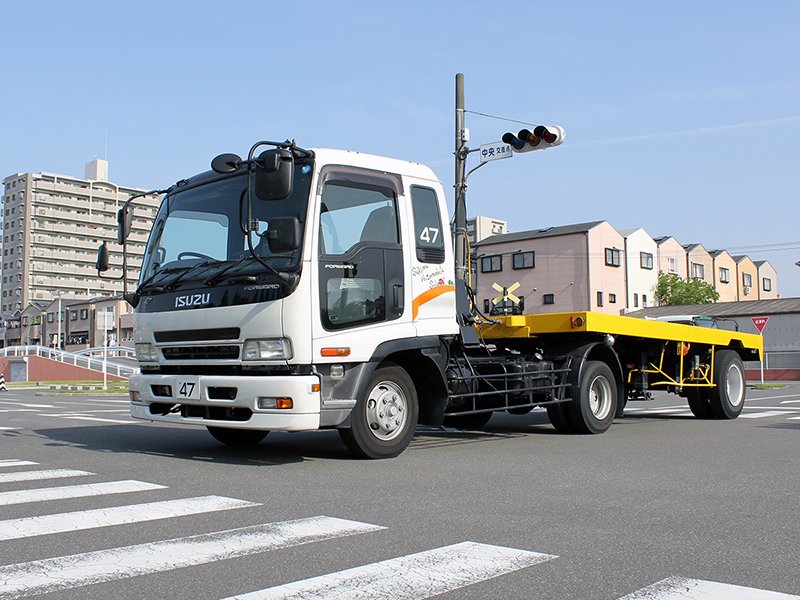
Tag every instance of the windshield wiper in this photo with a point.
(150, 279)
(172, 284)
(214, 279)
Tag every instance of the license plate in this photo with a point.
(187, 389)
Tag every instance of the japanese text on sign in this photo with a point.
(495, 151)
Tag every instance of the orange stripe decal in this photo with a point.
(429, 295)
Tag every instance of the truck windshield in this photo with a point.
(200, 231)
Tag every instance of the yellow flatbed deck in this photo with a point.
(530, 326)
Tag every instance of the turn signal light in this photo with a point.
(335, 351)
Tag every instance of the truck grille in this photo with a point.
(201, 352)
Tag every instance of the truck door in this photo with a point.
(360, 256)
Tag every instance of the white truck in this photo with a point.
(300, 289)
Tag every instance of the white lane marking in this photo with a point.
(43, 474)
(13, 529)
(419, 575)
(13, 462)
(76, 491)
(10, 410)
(65, 572)
(8, 428)
(679, 588)
(789, 401)
(761, 415)
(79, 418)
(759, 398)
(28, 405)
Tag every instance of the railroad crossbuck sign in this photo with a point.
(760, 323)
(506, 293)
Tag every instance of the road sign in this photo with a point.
(495, 151)
(759, 322)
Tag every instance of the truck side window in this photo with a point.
(427, 225)
(352, 213)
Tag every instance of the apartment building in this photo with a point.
(52, 227)
(572, 267)
(641, 251)
(480, 228)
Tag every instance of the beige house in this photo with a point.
(699, 264)
(767, 281)
(746, 278)
(725, 276)
(567, 268)
(641, 251)
(671, 256)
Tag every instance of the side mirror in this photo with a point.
(274, 174)
(102, 258)
(124, 221)
(283, 234)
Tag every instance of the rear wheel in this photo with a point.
(594, 402)
(699, 403)
(237, 437)
(383, 421)
(559, 417)
(727, 398)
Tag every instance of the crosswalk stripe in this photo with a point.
(8, 428)
(679, 588)
(43, 474)
(414, 576)
(13, 462)
(13, 529)
(76, 491)
(49, 575)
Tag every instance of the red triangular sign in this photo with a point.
(760, 323)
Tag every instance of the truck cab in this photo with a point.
(243, 333)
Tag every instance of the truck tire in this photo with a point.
(559, 417)
(474, 421)
(237, 437)
(727, 398)
(594, 402)
(383, 421)
(699, 402)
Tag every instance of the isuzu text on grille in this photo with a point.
(192, 300)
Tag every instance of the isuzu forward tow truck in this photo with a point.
(298, 290)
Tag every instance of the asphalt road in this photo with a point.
(515, 511)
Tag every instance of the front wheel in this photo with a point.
(727, 398)
(237, 437)
(594, 400)
(383, 421)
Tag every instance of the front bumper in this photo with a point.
(159, 398)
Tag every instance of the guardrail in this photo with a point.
(71, 358)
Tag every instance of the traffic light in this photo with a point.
(540, 138)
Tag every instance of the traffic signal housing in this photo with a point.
(541, 138)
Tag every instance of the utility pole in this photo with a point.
(460, 213)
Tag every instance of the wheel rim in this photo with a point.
(600, 397)
(735, 385)
(387, 410)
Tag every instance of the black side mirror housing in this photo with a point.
(102, 258)
(283, 234)
(274, 174)
(124, 221)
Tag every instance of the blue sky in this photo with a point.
(681, 117)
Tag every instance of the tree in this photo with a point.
(671, 290)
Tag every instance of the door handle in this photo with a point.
(397, 295)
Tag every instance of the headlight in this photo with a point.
(146, 353)
(274, 349)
